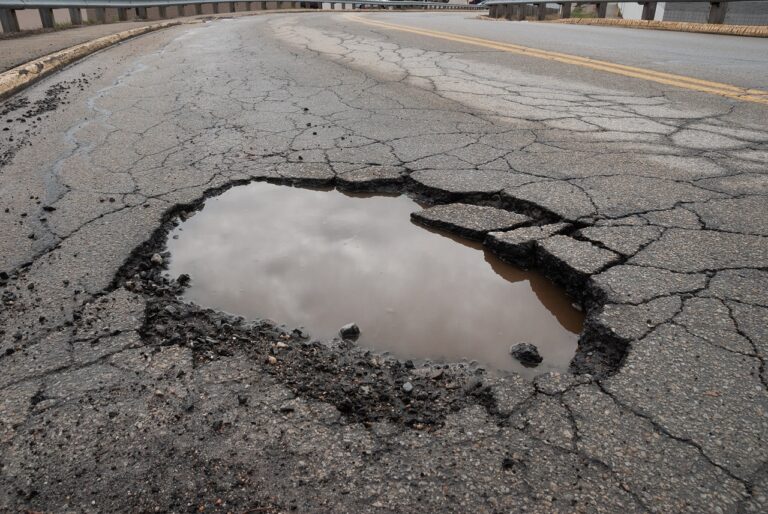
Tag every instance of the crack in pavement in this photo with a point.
(183, 404)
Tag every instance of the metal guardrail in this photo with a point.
(10, 22)
(518, 9)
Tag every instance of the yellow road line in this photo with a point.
(691, 83)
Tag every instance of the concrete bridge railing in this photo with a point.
(520, 9)
(138, 8)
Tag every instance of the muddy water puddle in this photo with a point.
(322, 259)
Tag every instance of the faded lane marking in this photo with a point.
(691, 83)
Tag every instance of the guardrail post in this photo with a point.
(649, 11)
(101, 14)
(232, 7)
(565, 10)
(198, 9)
(161, 11)
(180, 10)
(141, 13)
(521, 14)
(46, 17)
(122, 14)
(541, 12)
(601, 9)
(75, 16)
(717, 12)
(8, 20)
(215, 8)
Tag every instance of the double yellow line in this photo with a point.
(681, 81)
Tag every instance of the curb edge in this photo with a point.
(18, 78)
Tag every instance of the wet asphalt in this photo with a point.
(646, 202)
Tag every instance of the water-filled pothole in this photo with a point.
(321, 259)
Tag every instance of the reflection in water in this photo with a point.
(321, 259)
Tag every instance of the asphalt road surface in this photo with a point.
(650, 198)
(736, 60)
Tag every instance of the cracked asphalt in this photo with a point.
(647, 202)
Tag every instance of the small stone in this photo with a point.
(271, 360)
(281, 344)
(350, 331)
(156, 259)
(526, 353)
(407, 388)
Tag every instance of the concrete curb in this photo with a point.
(16, 79)
(705, 28)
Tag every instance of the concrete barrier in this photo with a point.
(677, 26)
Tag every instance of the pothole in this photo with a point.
(323, 258)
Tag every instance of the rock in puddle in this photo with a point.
(526, 353)
(350, 332)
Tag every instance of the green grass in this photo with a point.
(578, 13)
